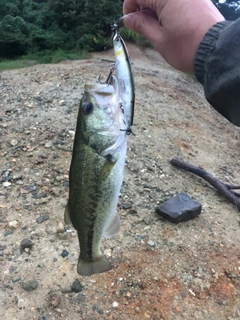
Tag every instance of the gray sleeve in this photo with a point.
(217, 68)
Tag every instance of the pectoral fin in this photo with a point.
(107, 167)
(113, 227)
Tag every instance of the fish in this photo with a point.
(96, 173)
(124, 75)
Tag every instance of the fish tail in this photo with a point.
(99, 265)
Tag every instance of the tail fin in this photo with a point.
(99, 265)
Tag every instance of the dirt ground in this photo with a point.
(160, 270)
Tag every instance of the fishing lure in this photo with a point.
(124, 75)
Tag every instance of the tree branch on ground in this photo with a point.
(223, 189)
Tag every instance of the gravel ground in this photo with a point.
(160, 270)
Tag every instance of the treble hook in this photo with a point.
(108, 77)
(115, 27)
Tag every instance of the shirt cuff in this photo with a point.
(205, 48)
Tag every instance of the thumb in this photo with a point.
(147, 25)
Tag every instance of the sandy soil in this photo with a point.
(160, 270)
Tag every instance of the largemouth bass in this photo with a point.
(96, 173)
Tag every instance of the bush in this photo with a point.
(28, 26)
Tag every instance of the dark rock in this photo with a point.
(76, 286)
(2, 247)
(64, 253)
(27, 207)
(99, 311)
(80, 297)
(12, 269)
(54, 299)
(179, 208)
(30, 285)
(8, 232)
(127, 205)
(65, 183)
(26, 243)
(42, 218)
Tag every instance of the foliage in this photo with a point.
(229, 9)
(42, 57)
(28, 26)
(132, 36)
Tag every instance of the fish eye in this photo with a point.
(87, 108)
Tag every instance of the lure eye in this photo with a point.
(87, 108)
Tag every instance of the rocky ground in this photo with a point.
(160, 270)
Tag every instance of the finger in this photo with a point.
(147, 25)
(133, 5)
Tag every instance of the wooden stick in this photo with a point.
(221, 187)
(230, 186)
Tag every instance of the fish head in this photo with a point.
(102, 118)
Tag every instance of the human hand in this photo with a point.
(175, 28)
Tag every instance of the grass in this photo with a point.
(60, 55)
(40, 58)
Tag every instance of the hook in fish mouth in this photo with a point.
(108, 77)
(128, 131)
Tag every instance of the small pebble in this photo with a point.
(62, 102)
(80, 297)
(42, 218)
(6, 184)
(17, 176)
(127, 205)
(76, 286)
(108, 252)
(151, 243)
(64, 253)
(14, 142)
(71, 133)
(60, 227)
(56, 191)
(49, 144)
(30, 285)
(13, 224)
(54, 299)
(115, 304)
(26, 243)
(8, 232)
(19, 182)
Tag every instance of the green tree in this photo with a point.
(229, 9)
(36, 25)
(86, 22)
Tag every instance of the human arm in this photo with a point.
(176, 29)
(217, 68)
